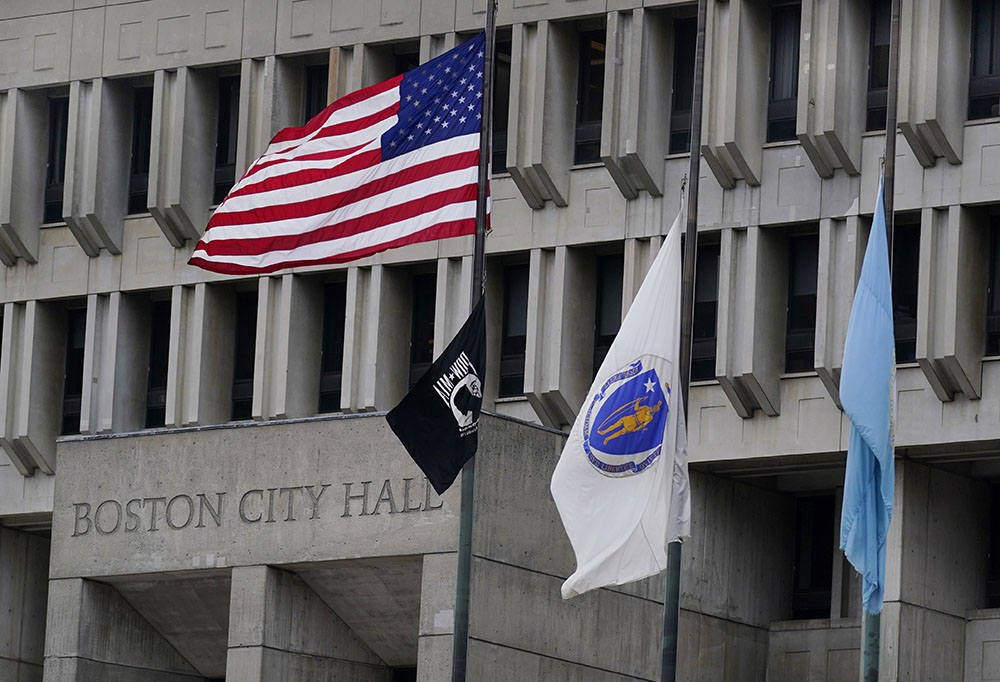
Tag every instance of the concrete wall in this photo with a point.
(24, 562)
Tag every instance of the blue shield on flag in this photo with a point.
(624, 424)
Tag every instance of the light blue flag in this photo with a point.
(867, 392)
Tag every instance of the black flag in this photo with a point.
(438, 420)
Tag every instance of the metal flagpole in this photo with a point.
(460, 646)
(671, 601)
(872, 623)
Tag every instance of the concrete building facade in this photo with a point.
(196, 482)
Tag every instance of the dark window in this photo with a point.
(800, 327)
(993, 303)
(685, 33)
(55, 174)
(76, 334)
(984, 71)
(905, 267)
(784, 87)
(225, 141)
(608, 315)
(706, 303)
(878, 65)
(243, 355)
(142, 133)
(317, 80)
(813, 569)
(159, 352)
(501, 106)
(332, 363)
(422, 326)
(404, 675)
(407, 62)
(590, 98)
(515, 330)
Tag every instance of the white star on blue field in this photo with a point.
(439, 100)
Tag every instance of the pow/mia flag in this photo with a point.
(438, 420)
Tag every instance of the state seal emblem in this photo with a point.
(625, 421)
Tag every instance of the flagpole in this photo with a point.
(460, 645)
(872, 622)
(671, 600)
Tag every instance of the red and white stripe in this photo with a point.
(322, 193)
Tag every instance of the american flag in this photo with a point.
(395, 163)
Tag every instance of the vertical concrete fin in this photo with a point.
(10, 375)
(23, 139)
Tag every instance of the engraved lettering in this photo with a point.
(428, 491)
(406, 497)
(118, 516)
(290, 516)
(215, 512)
(152, 514)
(243, 514)
(314, 498)
(85, 516)
(133, 520)
(363, 497)
(270, 505)
(385, 496)
(170, 514)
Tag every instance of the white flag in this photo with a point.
(621, 484)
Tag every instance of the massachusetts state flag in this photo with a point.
(392, 164)
(621, 484)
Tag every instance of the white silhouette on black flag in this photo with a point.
(438, 420)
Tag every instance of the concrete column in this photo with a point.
(753, 281)
(24, 568)
(280, 631)
(935, 43)
(832, 76)
(637, 80)
(437, 617)
(935, 572)
(262, 113)
(97, 163)
(289, 334)
(31, 375)
(560, 332)
(452, 299)
(182, 156)
(952, 287)
(736, 77)
(207, 336)
(841, 252)
(24, 129)
(94, 634)
(115, 364)
(542, 110)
